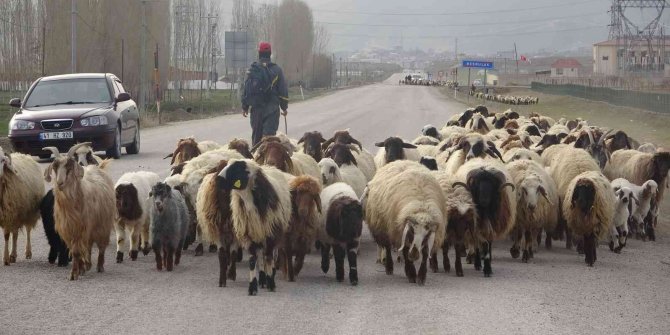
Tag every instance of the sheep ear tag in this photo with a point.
(237, 183)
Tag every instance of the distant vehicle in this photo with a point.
(62, 110)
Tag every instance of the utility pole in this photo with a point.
(73, 37)
(516, 57)
(122, 53)
(456, 49)
(44, 34)
(143, 56)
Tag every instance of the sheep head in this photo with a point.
(240, 146)
(429, 162)
(65, 168)
(661, 162)
(330, 172)
(237, 175)
(341, 154)
(478, 124)
(305, 196)
(394, 148)
(275, 154)
(465, 117)
(342, 136)
(475, 145)
(418, 234)
(160, 193)
(83, 153)
(127, 201)
(583, 196)
(312, 144)
(187, 149)
(461, 220)
(482, 110)
(486, 187)
(5, 163)
(530, 191)
(430, 130)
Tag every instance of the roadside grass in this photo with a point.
(6, 111)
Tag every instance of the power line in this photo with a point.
(474, 35)
(523, 9)
(455, 24)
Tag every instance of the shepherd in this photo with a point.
(265, 92)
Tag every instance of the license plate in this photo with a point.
(58, 135)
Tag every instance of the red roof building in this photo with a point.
(565, 67)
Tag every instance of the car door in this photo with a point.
(127, 114)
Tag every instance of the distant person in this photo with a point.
(473, 88)
(265, 91)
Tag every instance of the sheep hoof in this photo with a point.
(213, 248)
(62, 263)
(611, 245)
(199, 250)
(29, 254)
(133, 255)
(53, 254)
(514, 252)
(253, 287)
(6, 263)
(12, 259)
(262, 279)
(459, 273)
(421, 281)
(119, 257)
(617, 250)
(525, 256)
(101, 269)
(271, 284)
(146, 250)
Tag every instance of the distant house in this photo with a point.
(566, 67)
(610, 62)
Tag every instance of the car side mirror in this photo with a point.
(16, 102)
(123, 97)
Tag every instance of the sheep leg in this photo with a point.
(101, 258)
(146, 247)
(76, 264)
(134, 242)
(29, 249)
(514, 250)
(410, 269)
(423, 268)
(299, 260)
(389, 260)
(232, 271)
(169, 260)
(445, 256)
(547, 241)
(588, 251)
(352, 255)
(253, 270)
(478, 260)
(325, 257)
(486, 247)
(157, 251)
(239, 254)
(120, 241)
(432, 259)
(12, 255)
(338, 252)
(223, 265)
(527, 245)
(63, 253)
(288, 262)
(614, 240)
(199, 249)
(459, 265)
(270, 269)
(5, 256)
(568, 238)
(651, 234)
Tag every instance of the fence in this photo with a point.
(655, 102)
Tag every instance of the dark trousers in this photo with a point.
(264, 121)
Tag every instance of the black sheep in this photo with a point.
(57, 249)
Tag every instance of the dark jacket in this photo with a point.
(279, 95)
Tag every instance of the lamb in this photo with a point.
(340, 229)
(394, 148)
(347, 173)
(638, 167)
(21, 190)
(261, 212)
(311, 144)
(405, 208)
(537, 206)
(84, 209)
(486, 180)
(618, 232)
(516, 154)
(132, 205)
(644, 196)
(215, 222)
(169, 222)
(302, 230)
(588, 208)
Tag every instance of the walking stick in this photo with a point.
(285, 126)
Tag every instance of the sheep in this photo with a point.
(471, 146)
(205, 146)
(429, 162)
(478, 124)
(405, 208)
(311, 144)
(427, 150)
(340, 229)
(588, 208)
(547, 141)
(537, 206)
(187, 149)
(280, 138)
(448, 131)
(304, 164)
(618, 141)
(431, 131)
(364, 159)
(241, 146)
(84, 209)
(618, 233)
(426, 140)
(516, 154)
(461, 221)
(394, 148)
(648, 148)
(132, 205)
(341, 136)
(644, 196)
(347, 173)
(215, 221)
(302, 230)
(84, 154)
(487, 180)
(638, 167)
(261, 212)
(169, 221)
(21, 191)
(57, 247)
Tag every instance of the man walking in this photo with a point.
(265, 91)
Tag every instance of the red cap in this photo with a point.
(264, 47)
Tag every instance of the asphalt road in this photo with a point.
(554, 294)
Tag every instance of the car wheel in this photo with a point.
(44, 156)
(115, 150)
(134, 148)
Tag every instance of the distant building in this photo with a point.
(607, 61)
(566, 67)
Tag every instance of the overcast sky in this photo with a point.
(482, 26)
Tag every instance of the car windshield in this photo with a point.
(69, 92)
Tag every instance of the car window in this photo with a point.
(116, 88)
(119, 86)
(69, 92)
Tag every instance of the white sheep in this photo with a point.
(347, 173)
(261, 211)
(623, 207)
(644, 195)
(21, 190)
(132, 205)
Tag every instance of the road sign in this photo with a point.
(240, 49)
(478, 64)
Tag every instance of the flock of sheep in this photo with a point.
(506, 99)
(481, 178)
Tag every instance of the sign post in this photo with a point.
(477, 64)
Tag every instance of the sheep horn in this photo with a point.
(588, 132)
(53, 150)
(404, 236)
(168, 156)
(507, 184)
(603, 137)
(544, 194)
(355, 141)
(75, 147)
(460, 183)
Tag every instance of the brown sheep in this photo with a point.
(240, 146)
(187, 149)
(275, 154)
(342, 136)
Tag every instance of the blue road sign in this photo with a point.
(478, 64)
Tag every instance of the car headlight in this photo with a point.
(22, 125)
(94, 121)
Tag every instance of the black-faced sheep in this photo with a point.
(588, 208)
(311, 144)
(132, 205)
(470, 146)
(431, 131)
(84, 209)
(364, 159)
(302, 230)
(393, 149)
(261, 211)
(21, 190)
(405, 209)
(340, 229)
(169, 221)
(429, 162)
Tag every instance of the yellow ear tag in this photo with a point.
(237, 183)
